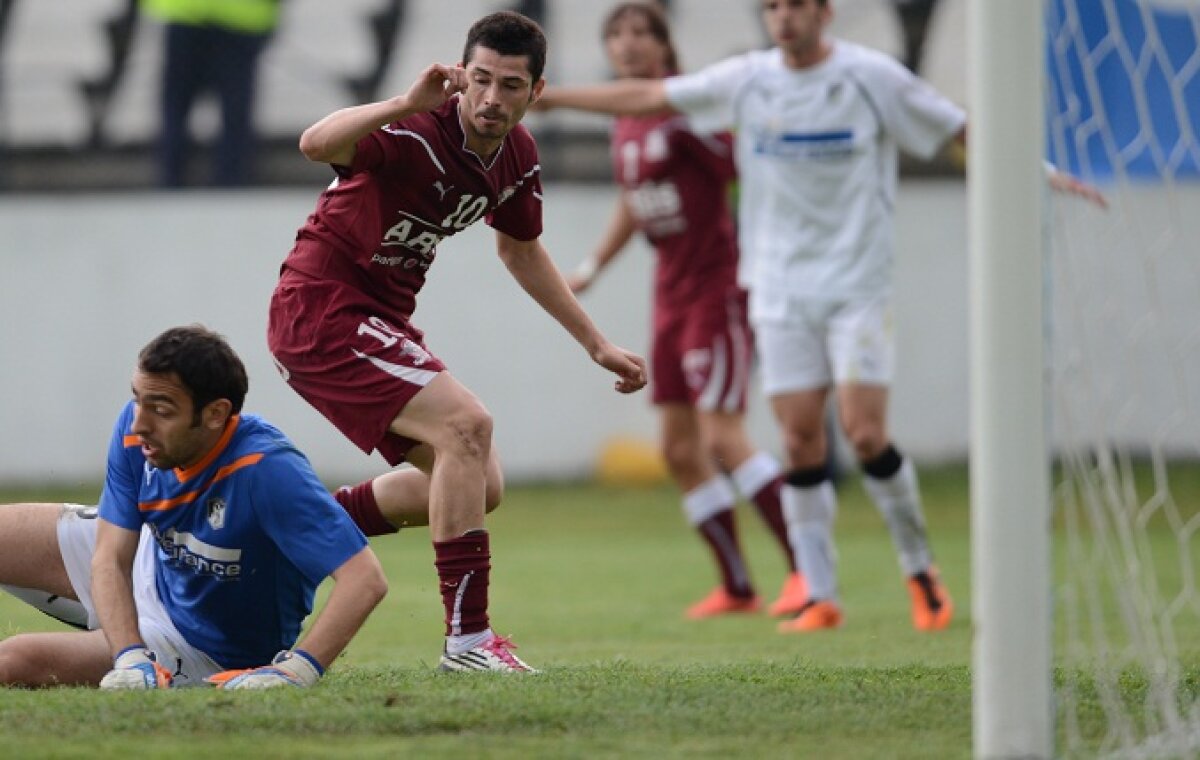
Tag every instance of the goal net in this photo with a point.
(1123, 355)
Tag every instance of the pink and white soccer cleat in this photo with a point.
(494, 655)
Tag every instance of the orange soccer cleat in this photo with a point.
(721, 602)
(792, 597)
(932, 608)
(815, 616)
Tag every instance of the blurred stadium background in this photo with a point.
(97, 259)
(80, 78)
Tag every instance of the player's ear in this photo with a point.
(536, 92)
(217, 413)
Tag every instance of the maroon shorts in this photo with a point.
(702, 354)
(347, 356)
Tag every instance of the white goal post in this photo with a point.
(1010, 491)
(1085, 378)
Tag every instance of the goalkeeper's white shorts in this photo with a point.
(77, 542)
(820, 343)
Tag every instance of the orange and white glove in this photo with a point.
(293, 667)
(134, 667)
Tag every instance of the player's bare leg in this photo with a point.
(31, 564)
(54, 659)
(891, 481)
(448, 419)
(758, 477)
(400, 498)
(29, 553)
(809, 505)
(708, 502)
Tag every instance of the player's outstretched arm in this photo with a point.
(620, 229)
(532, 268)
(1060, 181)
(624, 97)
(358, 586)
(332, 140)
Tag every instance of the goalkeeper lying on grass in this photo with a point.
(201, 561)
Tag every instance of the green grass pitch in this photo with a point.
(591, 582)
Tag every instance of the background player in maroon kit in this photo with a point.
(674, 187)
(412, 170)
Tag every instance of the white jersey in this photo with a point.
(817, 156)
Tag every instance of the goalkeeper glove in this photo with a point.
(134, 667)
(289, 668)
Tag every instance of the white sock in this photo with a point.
(809, 512)
(466, 641)
(708, 499)
(755, 473)
(899, 501)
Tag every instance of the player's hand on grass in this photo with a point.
(436, 84)
(289, 668)
(628, 366)
(135, 668)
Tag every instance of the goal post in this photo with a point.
(1010, 485)
(1085, 378)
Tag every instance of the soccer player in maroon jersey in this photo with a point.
(674, 186)
(412, 170)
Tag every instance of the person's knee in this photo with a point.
(805, 446)
(867, 440)
(19, 662)
(467, 433)
(727, 450)
(680, 456)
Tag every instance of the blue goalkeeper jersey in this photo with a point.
(244, 536)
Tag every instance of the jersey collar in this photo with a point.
(185, 475)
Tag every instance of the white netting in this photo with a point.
(1124, 353)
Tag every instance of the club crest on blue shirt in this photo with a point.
(216, 512)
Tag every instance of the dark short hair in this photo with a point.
(655, 19)
(509, 33)
(203, 361)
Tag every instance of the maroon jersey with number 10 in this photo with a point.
(339, 325)
(412, 184)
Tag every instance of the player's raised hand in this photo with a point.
(628, 366)
(435, 85)
(289, 668)
(135, 668)
(577, 282)
(1065, 183)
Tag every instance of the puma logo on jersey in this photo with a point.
(442, 190)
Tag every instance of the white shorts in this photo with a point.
(823, 343)
(77, 542)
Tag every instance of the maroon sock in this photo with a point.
(359, 502)
(463, 566)
(770, 508)
(720, 533)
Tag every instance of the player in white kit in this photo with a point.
(819, 124)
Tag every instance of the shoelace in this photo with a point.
(501, 647)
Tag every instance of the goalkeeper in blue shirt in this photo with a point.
(201, 561)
